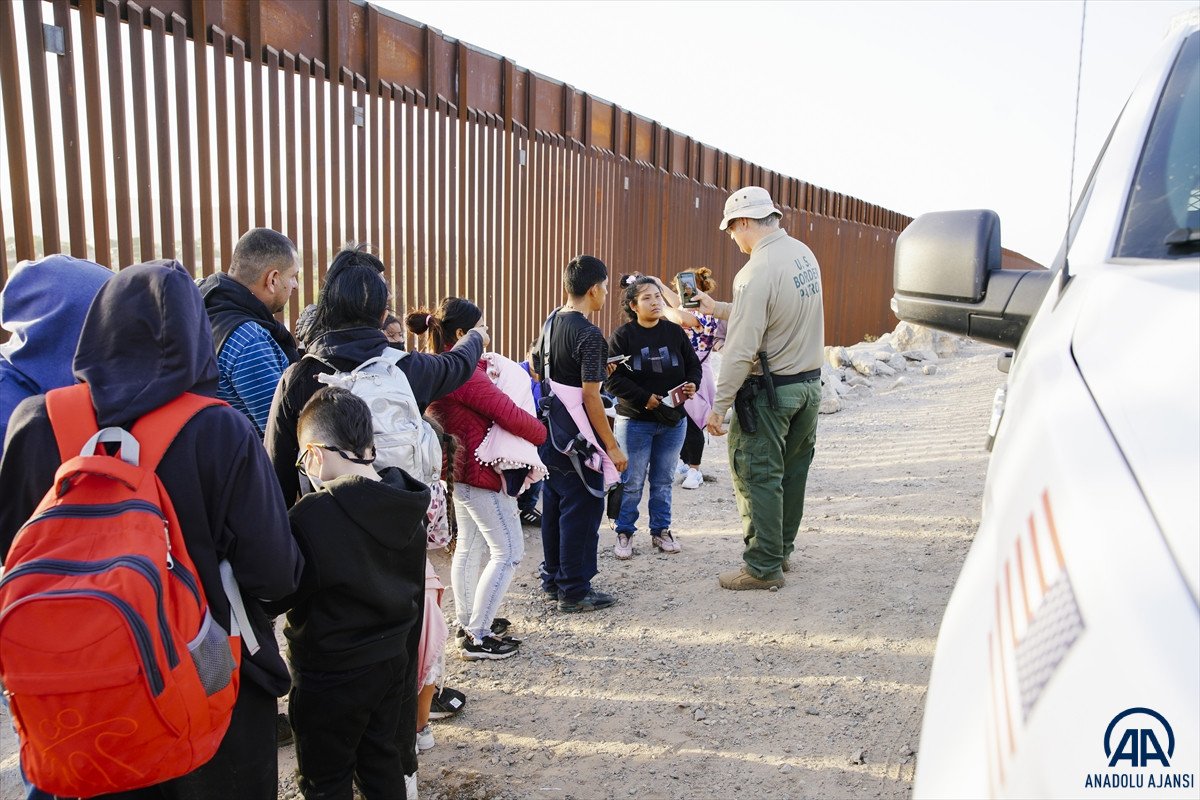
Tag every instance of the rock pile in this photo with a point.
(860, 369)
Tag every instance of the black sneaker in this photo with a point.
(490, 648)
(447, 703)
(462, 639)
(531, 517)
(500, 625)
(592, 601)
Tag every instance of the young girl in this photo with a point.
(485, 505)
(650, 424)
(434, 703)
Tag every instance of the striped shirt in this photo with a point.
(250, 365)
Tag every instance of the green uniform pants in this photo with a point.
(770, 470)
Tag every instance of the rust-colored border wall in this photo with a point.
(333, 120)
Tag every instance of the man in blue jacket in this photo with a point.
(253, 348)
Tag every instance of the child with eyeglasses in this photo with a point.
(353, 625)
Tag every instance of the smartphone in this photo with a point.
(686, 281)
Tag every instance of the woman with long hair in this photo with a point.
(650, 421)
(350, 309)
(490, 541)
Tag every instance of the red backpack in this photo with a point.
(117, 675)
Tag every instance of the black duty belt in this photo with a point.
(799, 377)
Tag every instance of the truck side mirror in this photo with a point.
(948, 255)
(948, 275)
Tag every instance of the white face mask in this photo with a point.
(315, 482)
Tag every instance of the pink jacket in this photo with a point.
(700, 404)
(434, 631)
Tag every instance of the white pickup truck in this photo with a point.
(1068, 660)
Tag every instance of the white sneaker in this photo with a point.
(624, 547)
(681, 469)
(693, 480)
(425, 739)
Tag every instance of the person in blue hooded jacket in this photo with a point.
(42, 306)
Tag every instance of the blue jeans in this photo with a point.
(570, 531)
(654, 448)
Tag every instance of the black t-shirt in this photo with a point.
(577, 351)
(660, 358)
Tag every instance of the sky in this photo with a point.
(914, 106)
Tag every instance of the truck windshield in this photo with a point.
(1163, 217)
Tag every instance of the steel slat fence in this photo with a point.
(334, 121)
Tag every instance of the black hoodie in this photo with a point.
(431, 377)
(362, 593)
(145, 341)
(230, 305)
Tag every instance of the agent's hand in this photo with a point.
(714, 424)
(653, 402)
(689, 390)
(611, 368)
(618, 458)
(482, 329)
(707, 304)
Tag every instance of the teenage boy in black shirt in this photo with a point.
(570, 513)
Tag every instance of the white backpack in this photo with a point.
(402, 436)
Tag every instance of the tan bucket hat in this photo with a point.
(749, 201)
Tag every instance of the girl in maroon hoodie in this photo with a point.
(485, 502)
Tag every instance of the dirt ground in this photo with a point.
(685, 690)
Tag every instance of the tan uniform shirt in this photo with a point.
(777, 307)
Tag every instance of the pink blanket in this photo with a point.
(500, 449)
(699, 405)
(572, 400)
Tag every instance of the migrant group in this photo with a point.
(179, 469)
